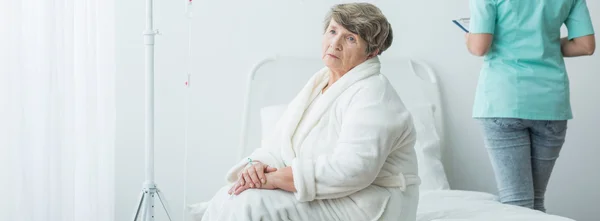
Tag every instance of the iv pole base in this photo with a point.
(146, 203)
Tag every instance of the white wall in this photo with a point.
(230, 36)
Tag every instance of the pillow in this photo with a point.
(269, 116)
(428, 148)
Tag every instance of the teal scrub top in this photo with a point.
(523, 74)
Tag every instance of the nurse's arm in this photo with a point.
(479, 44)
(581, 46)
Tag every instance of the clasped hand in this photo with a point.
(257, 176)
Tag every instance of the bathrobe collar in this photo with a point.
(288, 124)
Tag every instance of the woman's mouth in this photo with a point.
(333, 56)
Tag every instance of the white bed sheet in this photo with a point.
(458, 205)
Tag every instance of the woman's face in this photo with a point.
(342, 50)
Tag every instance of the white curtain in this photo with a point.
(57, 110)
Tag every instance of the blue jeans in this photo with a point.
(522, 154)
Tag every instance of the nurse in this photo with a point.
(522, 98)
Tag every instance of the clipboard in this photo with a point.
(462, 23)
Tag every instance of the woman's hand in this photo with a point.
(277, 179)
(268, 185)
(253, 176)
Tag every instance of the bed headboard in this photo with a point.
(276, 80)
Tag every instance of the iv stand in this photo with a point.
(149, 189)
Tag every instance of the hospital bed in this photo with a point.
(274, 81)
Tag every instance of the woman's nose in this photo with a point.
(335, 43)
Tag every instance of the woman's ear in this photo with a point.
(373, 54)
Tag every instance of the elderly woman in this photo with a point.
(343, 150)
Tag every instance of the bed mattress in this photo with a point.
(458, 205)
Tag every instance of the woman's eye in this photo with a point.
(332, 31)
(351, 38)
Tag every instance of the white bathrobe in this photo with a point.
(352, 156)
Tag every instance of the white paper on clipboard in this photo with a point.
(462, 23)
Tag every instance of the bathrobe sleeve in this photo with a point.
(370, 127)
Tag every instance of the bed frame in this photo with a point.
(276, 80)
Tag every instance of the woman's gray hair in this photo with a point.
(365, 20)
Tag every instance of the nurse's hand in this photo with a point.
(466, 37)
